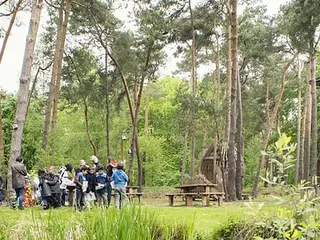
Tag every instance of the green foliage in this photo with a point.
(252, 153)
(128, 223)
(282, 156)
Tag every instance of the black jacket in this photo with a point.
(91, 178)
(53, 181)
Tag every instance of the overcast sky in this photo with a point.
(12, 61)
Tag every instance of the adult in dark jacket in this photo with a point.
(52, 180)
(45, 190)
(91, 178)
(81, 187)
(19, 173)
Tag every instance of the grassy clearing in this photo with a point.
(155, 215)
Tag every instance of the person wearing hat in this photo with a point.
(19, 173)
(111, 167)
(120, 180)
(95, 162)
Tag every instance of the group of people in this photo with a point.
(91, 184)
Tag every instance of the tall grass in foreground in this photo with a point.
(131, 222)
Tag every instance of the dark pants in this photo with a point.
(79, 199)
(109, 192)
(55, 200)
(19, 195)
(1, 196)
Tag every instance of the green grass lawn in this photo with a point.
(205, 219)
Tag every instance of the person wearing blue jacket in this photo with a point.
(101, 186)
(120, 180)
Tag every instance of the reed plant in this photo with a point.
(131, 222)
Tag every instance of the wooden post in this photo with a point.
(189, 200)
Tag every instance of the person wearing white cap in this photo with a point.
(96, 163)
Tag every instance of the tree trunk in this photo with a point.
(233, 125)
(1, 136)
(6, 37)
(193, 92)
(66, 13)
(314, 119)
(146, 118)
(18, 125)
(297, 165)
(94, 148)
(268, 163)
(240, 153)
(270, 125)
(228, 82)
(307, 131)
(184, 157)
(132, 146)
(106, 85)
(54, 73)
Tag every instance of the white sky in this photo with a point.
(12, 61)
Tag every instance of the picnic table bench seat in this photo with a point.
(136, 194)
(245, 196)
(205, 196)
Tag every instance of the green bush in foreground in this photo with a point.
(301, 223)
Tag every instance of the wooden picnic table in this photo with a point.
(200, 187)
(189, 191)
(131, 192)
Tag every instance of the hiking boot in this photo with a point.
(21, 208)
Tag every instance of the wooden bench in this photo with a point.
(132, 195)
(188, 197)
(206, 197)
(245, 196)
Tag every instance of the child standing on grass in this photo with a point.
(101, 186)
(81, 187)
(120, 180)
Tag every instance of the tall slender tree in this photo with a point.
(23, 94)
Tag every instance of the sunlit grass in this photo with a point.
(154, 217)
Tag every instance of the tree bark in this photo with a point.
(240, 149)
(228, 81)
(6, 37)
(54, 73)
(23, 93)
(314, 119)
(307, 131)
(233, 125)
(297, 164)
(66, 4)
(184, 158)
(107, 103)
(1, 131)
(193, 92)
(270, 125)
(94, 148)
(146, 116)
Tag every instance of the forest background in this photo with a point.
(254, 92)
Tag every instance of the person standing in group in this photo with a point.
(52, 179)
(81, 187)
(120, 180)
(19, 173)
(101, 186)
(95, 161)
(65, 178)
(111, 167)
